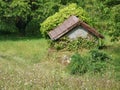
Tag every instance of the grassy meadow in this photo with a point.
(29, 64)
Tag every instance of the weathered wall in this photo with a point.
(78, 32)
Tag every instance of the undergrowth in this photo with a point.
(74, 45)
(95, 62)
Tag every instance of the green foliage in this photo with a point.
(99, 56)
(56, 19)
(3, 8)
(60, 44)
(23, 12)
(15, 9)
(101, 44)
(74, 45)
(43, 9)
(19, 8)
(97, 67)
(81, 43)
(78, 64)
(115, 16)
(8, 27)
(97, 62)
(13, 12)
(103, 14)
(32, 28)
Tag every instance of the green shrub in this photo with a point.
(59, 44)
(73, 45)
(56, 19)
(99, 56)
(78, 64)
(96, 62)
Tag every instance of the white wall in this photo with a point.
(78, 32)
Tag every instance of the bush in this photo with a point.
(73, 45)
(99, 56)
(55, 20)
(97, 62)
(78, 64)
(59, 44)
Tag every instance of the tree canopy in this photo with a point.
(32, 17)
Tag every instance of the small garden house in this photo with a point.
(74, 28)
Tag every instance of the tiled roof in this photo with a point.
(68, 25)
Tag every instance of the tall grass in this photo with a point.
(26, 64)
(114, 51)
(28, 51)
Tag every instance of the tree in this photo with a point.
(6, 24)
(16, 13)
(20, 13)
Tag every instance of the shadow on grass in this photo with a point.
(12, 37)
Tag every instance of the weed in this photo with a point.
(99, 56)
(73, 45)
(78, 64)
(96, 62)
